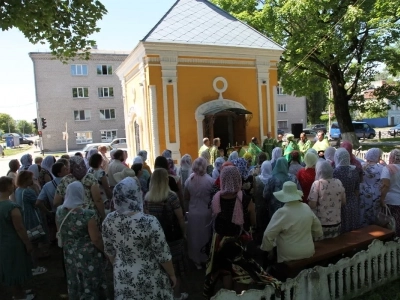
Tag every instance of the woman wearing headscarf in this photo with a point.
(164, 204)
(234, 215)
(26, 162)
(45, 174)
(35, 169)
(143, 154)
(217, 184)
(353, 159)
(167, 153)
(326, 198)
(390, 192)
(82, 245)
(306, 176)
(261, 206)
(217, 167)
(247, 181)
(92, 197)
(206, 155)
(234, 155)
(276, 154)
(294, 163)
(329, 155)
(186, 168)
(140, 272)
(280, 175)
(198, 189)
(350, 179)
(370, 187)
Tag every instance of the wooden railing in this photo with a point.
(348, 278)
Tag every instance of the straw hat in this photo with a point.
(289, 193)
(125, 173)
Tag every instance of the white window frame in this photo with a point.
(282, 107)
(279, 90)
(103, 115)
(103, 91)
(287, 124)
(79, 70)
(100, 70)
(87, 114)
(83, 137)
(80, 92)
(105, 135)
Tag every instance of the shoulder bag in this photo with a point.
(385, 219)
(58, 234)
(37, 231)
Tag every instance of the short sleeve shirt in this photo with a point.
(393, 195)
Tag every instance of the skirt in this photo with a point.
(179, 257)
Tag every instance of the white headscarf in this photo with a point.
(217, 167)
(74, 195)
(329, 154)
(373, 155)
(324, 170)
(266, 171)
(342, 158)
(310, 159)
(276, 153)
(234, 155)
(47, 163)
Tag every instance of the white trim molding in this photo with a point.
(154, 122)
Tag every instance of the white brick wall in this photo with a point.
(296, 111)
(55, 102)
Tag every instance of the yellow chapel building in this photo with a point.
(199, 73)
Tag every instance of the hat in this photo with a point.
(138, 160)
(289, 136)
(125, 173)
(289, 193)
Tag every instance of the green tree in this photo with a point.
(342, 42)
(7, 123)
(25, 127)
(64, 24)
(316, 104)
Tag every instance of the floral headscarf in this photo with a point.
(74, 195)
(231, 182)
(128, 196)
(394, 159)
(324, 170)
(266, 172)
(281, 170)
(241, 164)
(218, 181)
(217, 167)
(276, 154)
(77, 167)
(373, 155)
(234, 155)
(171, 167)
(26, 161)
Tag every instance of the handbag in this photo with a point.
(172, 230)
(58, 234)
(37, 231)
(385, 219)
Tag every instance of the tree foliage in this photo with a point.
(64, 24)
(25, 127)
(341, 41)
(316, 104)
(6, 123)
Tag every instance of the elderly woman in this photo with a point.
(234, 155)
(92, 199)
(95, 163)
(370, 187)
(390, 192)
(139, 272)
(143, 154)
(234, 214)
(292, 227)
(280, 175)
(276, 154)
(198, 189)
(247, 181)
(82, 245)
(329, 155)
(353, 159)
(306, 176)
(350, 179)
(207, 157)
(45, 174)
(15, 247)
(326, 198)
(217, 167)
(186, 168)
(294, 163)
(261, 206)
(26, 162)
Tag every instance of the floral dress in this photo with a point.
(84, 263)
(138, 244)
(370, 194)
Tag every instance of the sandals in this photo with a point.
(38, 271)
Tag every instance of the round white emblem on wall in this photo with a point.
(224, 86)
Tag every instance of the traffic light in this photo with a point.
(35, 124)
(44, 123)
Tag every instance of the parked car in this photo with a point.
(281, 131)
(361, 129)
(25, 141)
(119, 143)
(391, 130)
(316, 127)
(91, 146)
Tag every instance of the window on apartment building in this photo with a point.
(282, 124)
(80, 92)
(282, 108)
(107, 114)
(106, 92)
(104, 69)
(81, 115)
(79, 70)
(279, 90)
(83, 137)
(108, 135)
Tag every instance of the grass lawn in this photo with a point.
(390, 291)
(396, 139)
(14, 151)
(384, 148)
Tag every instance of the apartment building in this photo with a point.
(84, 96)
(291, 110)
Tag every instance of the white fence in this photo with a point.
(361, 154)
(348, 278)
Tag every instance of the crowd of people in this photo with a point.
(151, 223)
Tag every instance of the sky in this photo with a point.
(126, 22)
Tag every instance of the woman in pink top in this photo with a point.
(327, 195)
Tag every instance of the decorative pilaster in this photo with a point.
(263, 81)
(154, 121)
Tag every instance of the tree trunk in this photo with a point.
(341, 106)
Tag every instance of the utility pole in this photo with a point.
(66, 137)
